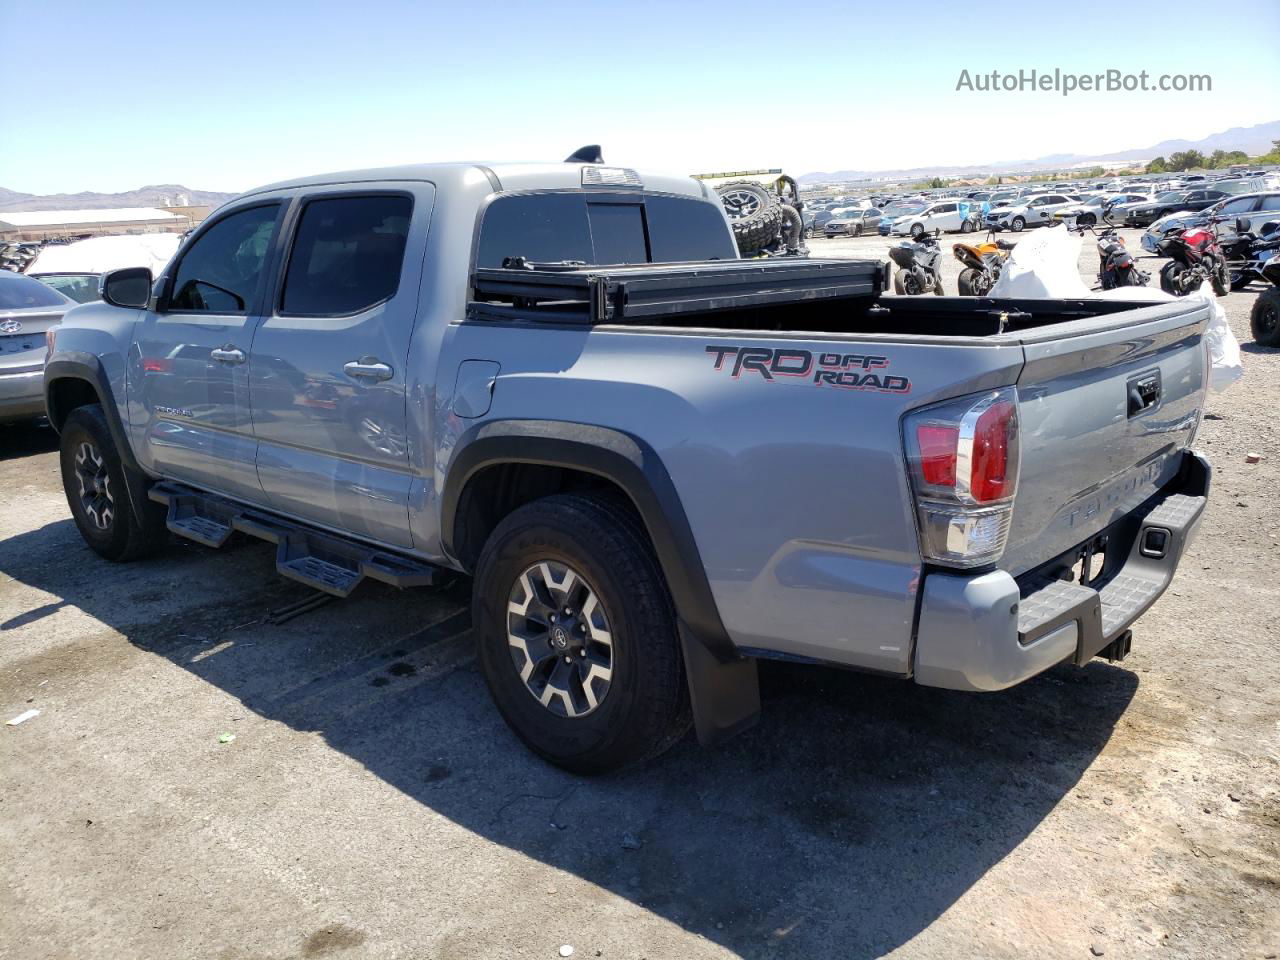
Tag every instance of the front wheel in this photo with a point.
(576, 634)
(917, 231)
(93, 478)
(1265, 318)
(1018, 224)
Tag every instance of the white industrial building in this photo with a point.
(29, 225)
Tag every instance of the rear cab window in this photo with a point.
(347, 254)
(602, 228)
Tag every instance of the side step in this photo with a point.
(322, 561)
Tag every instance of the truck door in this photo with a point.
(189, 384)
(327, 372)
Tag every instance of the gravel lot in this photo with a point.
(372, 804)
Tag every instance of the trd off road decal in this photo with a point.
(852, 371)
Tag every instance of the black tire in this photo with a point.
(758, 227)
(1219, 280)
(1170, 278)
(937, 285)
(1086, 220)
(645, 708)
(1238, 280)
(917, 231)
(969, 282)
(967, 226)
(899, 286)
(1018, 224)
(100, 505)
(1264, 321)
(857, 231)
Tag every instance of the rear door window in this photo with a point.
(347, 255)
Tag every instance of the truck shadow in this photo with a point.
(856, 813)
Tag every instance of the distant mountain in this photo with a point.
(1252, 140)
(170, 194)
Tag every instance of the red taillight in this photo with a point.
(989, 477)
(963, 460)
(938, 453)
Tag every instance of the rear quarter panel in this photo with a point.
(795, 491)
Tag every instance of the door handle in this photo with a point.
(369, 367)
(227, 354)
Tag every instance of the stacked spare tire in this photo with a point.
(757, 215)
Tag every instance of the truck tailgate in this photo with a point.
(1105, 404)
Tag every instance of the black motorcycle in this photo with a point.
(917, 261)
(1265, 318)
(1246, 252)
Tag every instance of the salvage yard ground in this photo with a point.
(368, 801)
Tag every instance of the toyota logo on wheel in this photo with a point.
(10, 326)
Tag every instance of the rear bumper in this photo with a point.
(990, 631)
(21, 395)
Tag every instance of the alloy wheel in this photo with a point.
(96, 498)
(560, 640)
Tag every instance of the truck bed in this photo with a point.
(820, 296)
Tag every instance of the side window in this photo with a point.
(221, 270)
(946, 208)
(1243, 205)
(347, 255)
(1271, 203)
(1195, 196)
(684, 229)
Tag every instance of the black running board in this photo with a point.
(320, 560)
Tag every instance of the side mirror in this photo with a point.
(130, 287)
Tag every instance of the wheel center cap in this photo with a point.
(559, 637)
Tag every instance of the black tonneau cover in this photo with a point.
(644, 292)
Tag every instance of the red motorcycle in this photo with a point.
(1195, 256)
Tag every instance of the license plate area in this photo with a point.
(1091, 565)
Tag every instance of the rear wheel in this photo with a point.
(1219, 279)
(899, 285)
(972, 283)
(754, 212)
(93, 477)
(967, 226)
(1265, 318)
(1172, 279)
(576, 634)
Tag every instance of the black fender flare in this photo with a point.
(723, 685)
(86, 367)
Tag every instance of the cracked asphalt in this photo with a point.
(369, 803)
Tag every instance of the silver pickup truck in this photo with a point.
(658, 462)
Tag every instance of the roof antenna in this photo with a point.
(588, 154)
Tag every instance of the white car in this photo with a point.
(944, 215)
(1032, 211)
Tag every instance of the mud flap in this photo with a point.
(725, 694)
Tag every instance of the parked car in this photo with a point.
(942, 215)
(27, 309)
(896, 209)
(1093, 210)
(647, 489)
(1029, 212)
(854, 223)
(1255, 208)
(1144, 214)
(74, 269)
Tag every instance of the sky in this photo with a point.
(229, 94)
